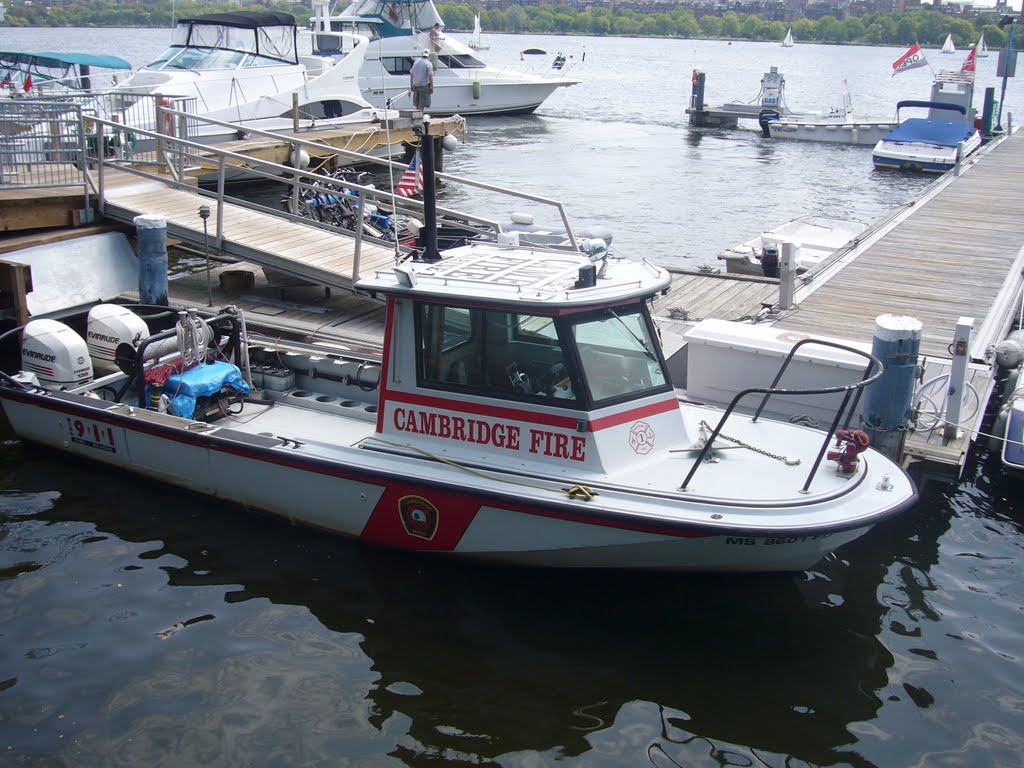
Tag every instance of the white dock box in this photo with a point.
(723, 358)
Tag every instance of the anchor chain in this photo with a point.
(755, 449)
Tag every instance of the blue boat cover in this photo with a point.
(943, 133)
(62, 60)
(184, 388)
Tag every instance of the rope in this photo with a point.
(573, 492)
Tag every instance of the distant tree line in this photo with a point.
(926, 27)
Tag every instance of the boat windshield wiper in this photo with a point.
(640, 341)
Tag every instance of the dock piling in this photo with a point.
(888, 405)
(152, 233)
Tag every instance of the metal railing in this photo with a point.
(850, 400)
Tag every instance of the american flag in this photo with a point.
(412, 180)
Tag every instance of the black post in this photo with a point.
(428, 234)
(986, 113)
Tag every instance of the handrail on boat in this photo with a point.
(853, 391)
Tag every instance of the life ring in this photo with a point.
(791, 338)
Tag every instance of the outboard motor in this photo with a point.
(764, 117)
(770, 260)
(57, 355)
(109, 326)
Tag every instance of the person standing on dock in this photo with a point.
(421, 81)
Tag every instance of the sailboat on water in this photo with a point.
(787, 41)
(948, 47)
(475, 39)
(980, 47)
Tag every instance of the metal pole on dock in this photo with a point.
(1006, 67)
(204, 214)
(789, 262)
(429, 230)
(152, 234)
(888, 404)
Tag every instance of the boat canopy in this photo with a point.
(12, 59)
(263, 34)
(398, 17)
(932, 105)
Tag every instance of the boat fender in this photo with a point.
(850, 443)
(996, 438)
(521, 218)
(478, 89)
(1009, 353)
(168, 118)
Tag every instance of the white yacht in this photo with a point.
(244, 68)
(399, 32)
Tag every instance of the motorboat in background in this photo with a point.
(840, 125)
(57, 73)
(245, 68)
(818, 237)
(933, 143)
(927, 144)
(463, 84)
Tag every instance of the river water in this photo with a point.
(143, 626)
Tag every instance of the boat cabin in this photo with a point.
(537, 354)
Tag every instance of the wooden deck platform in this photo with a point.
(957, 251)
(300, 250)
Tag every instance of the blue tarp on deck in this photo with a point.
(943, 133)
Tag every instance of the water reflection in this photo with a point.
(170, 615)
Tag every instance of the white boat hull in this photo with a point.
(460, 96)
(358, 493)
(920, 156)
(857, 132)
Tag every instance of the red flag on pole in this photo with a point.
(969, 61)
(412, 179)
(912, 59)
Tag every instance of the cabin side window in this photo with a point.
(397, 65)
(618, 354)
(509, 355)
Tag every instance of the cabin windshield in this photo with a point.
(214, 46)
(607, 355)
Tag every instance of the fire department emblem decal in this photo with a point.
(641, 438)
(419, 516)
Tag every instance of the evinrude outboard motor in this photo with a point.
(109, 326)
(57, 355)
(770, 260)
(764, 117)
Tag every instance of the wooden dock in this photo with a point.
(957, 251)
(293, 248)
